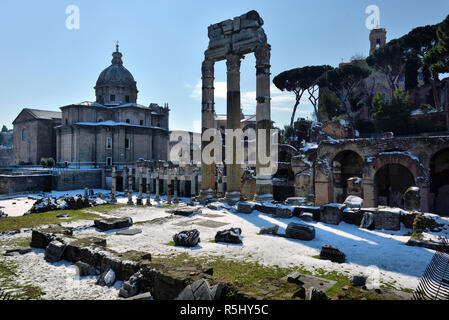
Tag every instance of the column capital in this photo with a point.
(207, 69)
(233, 62)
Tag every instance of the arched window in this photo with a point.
(128, 121)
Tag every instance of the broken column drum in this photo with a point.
(230, 40)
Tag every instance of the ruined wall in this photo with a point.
(76, 179)
(12, 184)
(414, 154)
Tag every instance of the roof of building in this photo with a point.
(116, 74)
(41, 114)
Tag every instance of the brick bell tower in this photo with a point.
(377, 39)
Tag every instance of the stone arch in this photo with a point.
(439, 182)
(345, 164)
(408, 169)
(390, 183)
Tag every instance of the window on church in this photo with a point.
(108, 143)
(141, 122)
(109, 161)
(24, 135)
(127, 143)
(112, 97)
(128, 121)
(66, 121)
(127, 98)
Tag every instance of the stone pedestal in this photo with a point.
(140, 197)
(264, 184)
(148, 203)
(157, 198)
(130, 187)
(114, 186)
(233, 165)
(207, 115)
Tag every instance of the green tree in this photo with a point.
(329, 105)
(388, 60)
(300, 80)
(438, 57)
(4, 129)
(393, 116)
(342, 81)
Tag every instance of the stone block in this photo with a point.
(300, 231)
(229, 236)
(385, 219)
(113, 223)
(40, 239)
(332, 253)
(306, 216)
(331, 213)
(245, 207)
(54, 251)
(283, 212)
(185, 211)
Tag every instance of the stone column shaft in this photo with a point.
(264, 184)
(168, 186)
(114, 185)
(157, 198)
(140, 197)
(207, 115)
(125, 179)
(175, 187)
(130, 187)
(148, 187)
(233, 167)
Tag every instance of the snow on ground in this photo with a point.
(397, 263)
(58, 280)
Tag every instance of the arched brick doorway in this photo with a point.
(439, 183)
(391, 181)
(346, 164)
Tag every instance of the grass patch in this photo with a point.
(212, 241)
(171, 243)
(46, 218)
(357, 294)
(107, 208)
(8, 273)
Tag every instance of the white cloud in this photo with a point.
(280, 101)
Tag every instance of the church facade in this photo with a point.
(114, 130)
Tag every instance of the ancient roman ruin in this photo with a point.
(153, 217)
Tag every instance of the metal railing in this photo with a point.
(434, 284)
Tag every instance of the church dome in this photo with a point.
(116, 85)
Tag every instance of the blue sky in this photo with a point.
(45, 65)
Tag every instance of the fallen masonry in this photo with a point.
(331, 253)
(300, 231)
(233, 235)
(189, 238)
(113, 223)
